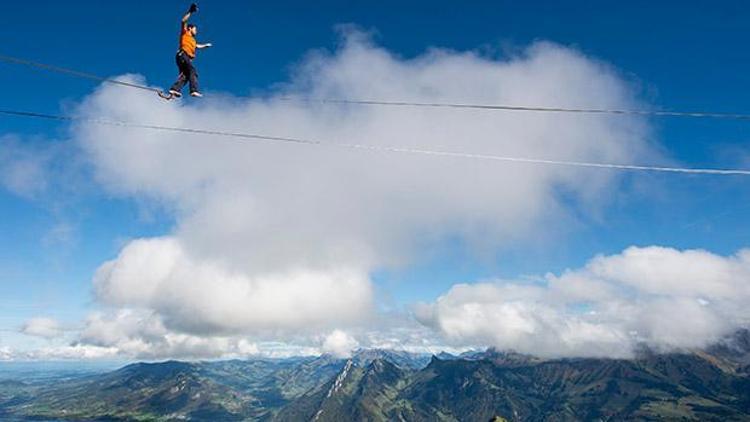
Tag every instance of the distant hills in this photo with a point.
(379, 385)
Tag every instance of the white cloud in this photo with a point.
(6, 354)
(69, 352)
(53, 351)
(204, 297)
(661, 297)
(142, 335)
(42, 327)
(278, 241)
(139, 334)
(339, 343)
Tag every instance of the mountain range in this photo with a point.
(381, 385)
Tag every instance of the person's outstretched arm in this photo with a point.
(193, 9)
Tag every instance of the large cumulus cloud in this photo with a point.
(204, 297)
(283, 239)
(663, 298)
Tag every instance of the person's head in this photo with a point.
(192, 28)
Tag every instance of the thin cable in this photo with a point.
(76, 73)
(376, 148)
(661, 113)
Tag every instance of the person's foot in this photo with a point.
(176, 94)
(196, 94)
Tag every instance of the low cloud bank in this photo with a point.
(663, 298)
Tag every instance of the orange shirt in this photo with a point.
(187, 42)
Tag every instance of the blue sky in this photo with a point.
(677, 55)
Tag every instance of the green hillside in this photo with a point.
(705, 385)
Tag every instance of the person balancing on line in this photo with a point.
(186, 55)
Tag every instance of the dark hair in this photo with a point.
(190, 26)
